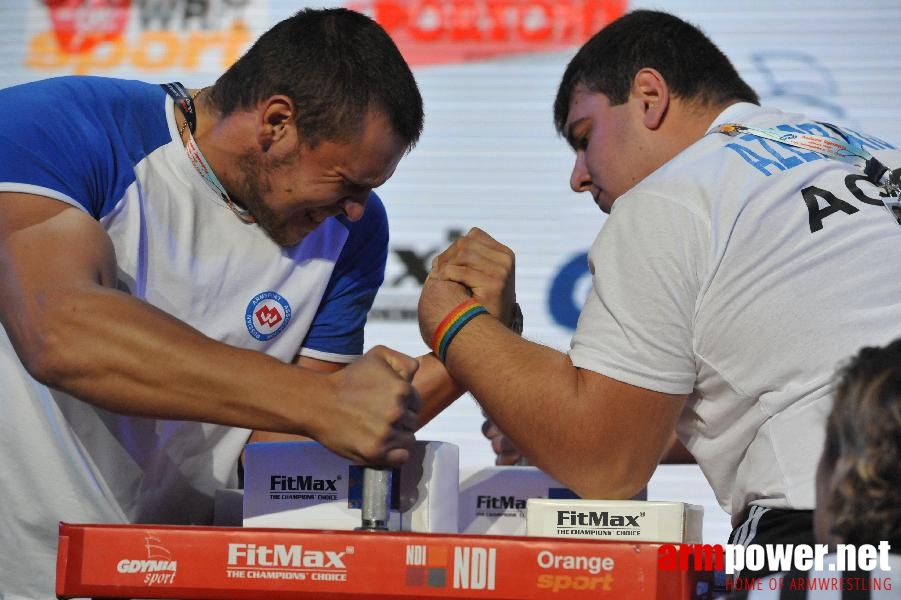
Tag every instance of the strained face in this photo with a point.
(291, 192)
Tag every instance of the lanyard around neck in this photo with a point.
(185, 103)
(845, 150)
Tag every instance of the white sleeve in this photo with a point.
(646, 264)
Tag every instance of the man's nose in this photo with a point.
(580, 180)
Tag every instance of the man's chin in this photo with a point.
(290, 242)
(289, 239)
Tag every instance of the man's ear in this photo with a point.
(651, 90)
(276, 115)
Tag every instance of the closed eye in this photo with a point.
(577, 133)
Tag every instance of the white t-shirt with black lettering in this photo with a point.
(744, 272)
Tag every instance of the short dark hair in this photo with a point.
(693, 67)
(336, 65)
(863, 448)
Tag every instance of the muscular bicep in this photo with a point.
(44, 240)
(75, 332)
(49, 251)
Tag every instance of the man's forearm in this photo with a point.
(598, 436)
(436, 387)
(117, 352)
(526, 389)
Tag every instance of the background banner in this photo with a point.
(489, 156)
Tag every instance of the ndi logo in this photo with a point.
(267, 315)
(474, 567)
(426, 566)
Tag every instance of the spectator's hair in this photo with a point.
(863, 448)
(336, 65)
(693, 67)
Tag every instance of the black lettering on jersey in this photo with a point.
(812, 195)
(852, 181)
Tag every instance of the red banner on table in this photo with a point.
(153, 561)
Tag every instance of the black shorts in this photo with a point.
(761, 525)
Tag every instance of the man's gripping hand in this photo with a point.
(475, 265)
(376, 409)
(505, 453)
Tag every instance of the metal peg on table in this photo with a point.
(376, 499)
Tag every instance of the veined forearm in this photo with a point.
(538, 399)
(117, 352)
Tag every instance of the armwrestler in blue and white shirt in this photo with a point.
(162, 265)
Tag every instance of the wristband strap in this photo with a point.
(453, 323)
(516, 324)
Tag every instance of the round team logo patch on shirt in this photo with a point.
(267, 315)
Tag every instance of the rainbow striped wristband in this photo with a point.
(453, 323)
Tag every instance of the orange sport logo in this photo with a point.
(99, 37)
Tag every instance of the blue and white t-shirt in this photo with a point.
(111, 148)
